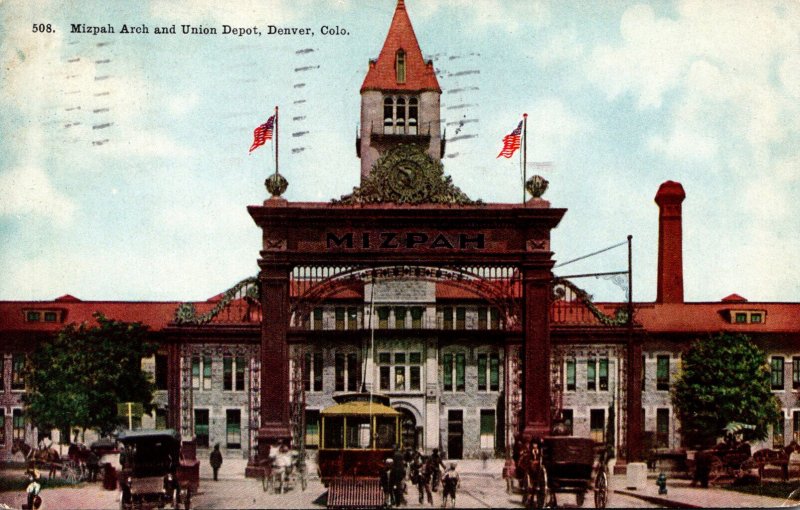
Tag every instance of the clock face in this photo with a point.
(407, 182)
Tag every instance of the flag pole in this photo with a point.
(524, 154)
(276, 140)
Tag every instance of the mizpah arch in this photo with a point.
(378, 237)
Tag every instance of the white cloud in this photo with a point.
(510, 15)
(28, 190)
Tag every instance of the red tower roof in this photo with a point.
(382, 75)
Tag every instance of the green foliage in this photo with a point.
(723, 378)
(76, 378)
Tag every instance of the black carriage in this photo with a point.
(152, 474)
(573, 465)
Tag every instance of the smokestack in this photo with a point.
(670, 243)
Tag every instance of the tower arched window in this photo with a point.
(413, 111)
(400, 66)
(388, 115)
(400, 115)
(400, 120)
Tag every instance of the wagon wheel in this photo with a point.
(601, 490)
(266, 480)
(580, 498)
(541, 492)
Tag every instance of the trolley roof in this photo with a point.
(359, 408)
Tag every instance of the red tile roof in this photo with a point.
(420, 75)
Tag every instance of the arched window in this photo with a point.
(412, 116)
(400, 66)
(400, 122)
(388, 115)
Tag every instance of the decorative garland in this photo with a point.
(620, 317)
(186, 313)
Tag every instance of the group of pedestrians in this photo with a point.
(426, 472)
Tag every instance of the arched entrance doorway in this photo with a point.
(409, 432)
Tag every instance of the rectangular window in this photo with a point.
(482, 364)
(460, 369)
(352, 317)
(570, 376)
(662, 428)
(195, 373)
(461, 317)
(339, 371)
(353, 372)
(662, 372)
(317, 319)
(399, 358)
(755, 318)
(2, 427)
(312, 428)
(227, 373)
(414, 378)
(796, 373)
(206, 372)
(741, 318)
(33, 316)
(591, 374)
(597, 425)
(416, 317)
(447, 318)
(494, 318)
(568, 420)
(399, 378)
(644, 371)
(483, 314)
(399, 318)
(53, 317)
(487, 428)
(494, 372)
(796, 426)
(777, 372)
(162, 368)
(383, 317)
(339, 314)
(385, 376)
(777, 433)
(18, 371)
(233, 428)
(201, 427)
(317, 371)
(240, 366)
(307, 372)
(603, 374)
(161, 419)
(447, 372)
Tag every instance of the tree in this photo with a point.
(76, 378)
(723, 379)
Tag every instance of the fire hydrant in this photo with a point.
(662, 483)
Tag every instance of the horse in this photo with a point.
(45, 456)
(531, 476)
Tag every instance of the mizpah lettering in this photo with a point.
(404, 241)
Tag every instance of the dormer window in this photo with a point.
(400, 115)
(747, 316)
(400, 66)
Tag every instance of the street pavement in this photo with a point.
(481, 487)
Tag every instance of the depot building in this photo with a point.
(409, 288)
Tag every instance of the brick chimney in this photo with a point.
(670, 243)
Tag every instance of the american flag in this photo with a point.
(511, 142)
(262, 133)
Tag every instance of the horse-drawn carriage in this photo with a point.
(358, 433)
(563, 464)
(153, 474)
(284, 470)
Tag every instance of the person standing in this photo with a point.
(33, 490)
(215, 459)
(423, 481)
(435, 460)
(450, 482)
(386, 482)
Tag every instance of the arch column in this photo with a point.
(274, 357)
(536, 352)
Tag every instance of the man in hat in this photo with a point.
(450, 482)
(386, 482)
(215, 460)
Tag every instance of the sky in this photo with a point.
(124, 166)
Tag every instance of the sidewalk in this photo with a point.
(682, 495)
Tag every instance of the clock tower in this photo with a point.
(399, 101)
